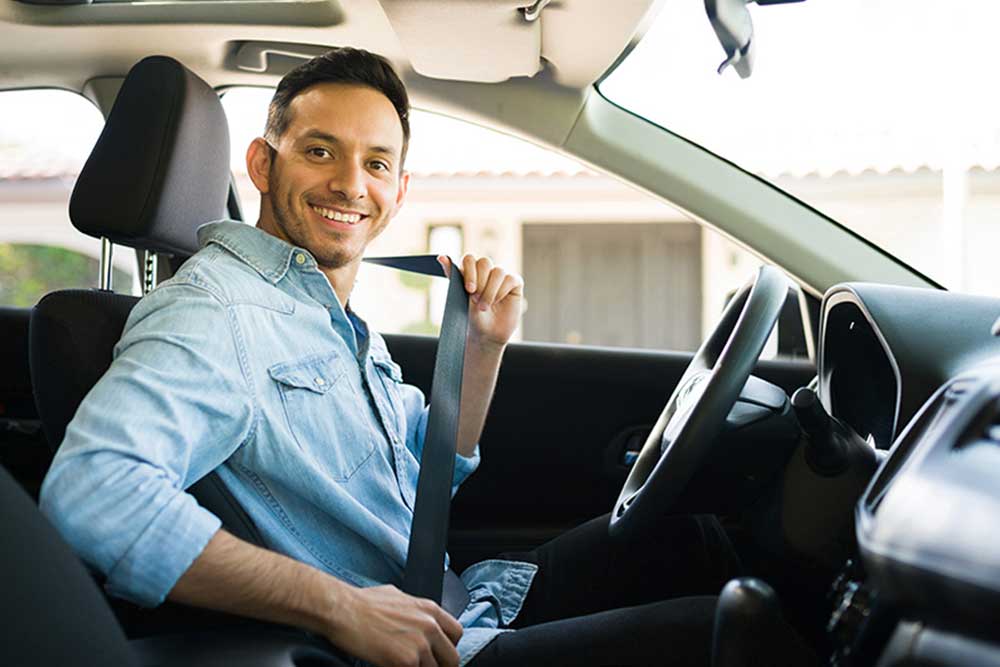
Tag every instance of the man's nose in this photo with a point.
(349, 181)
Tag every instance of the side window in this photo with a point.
(604, 264)
(45, 137)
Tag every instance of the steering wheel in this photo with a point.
(685, 435)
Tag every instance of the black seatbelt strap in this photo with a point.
(425, 575)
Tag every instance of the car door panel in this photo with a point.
(559, 421)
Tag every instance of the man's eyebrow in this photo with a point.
(331, 139)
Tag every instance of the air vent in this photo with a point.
(983, 428)
(922, 426)
(990, 430)
(958, 389)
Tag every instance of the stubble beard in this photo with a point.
(297, 231)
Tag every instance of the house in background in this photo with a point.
(604, 264)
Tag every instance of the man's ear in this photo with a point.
(404, 184)
(259, 164)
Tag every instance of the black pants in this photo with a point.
(596, 602)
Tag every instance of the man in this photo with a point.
(250, 362)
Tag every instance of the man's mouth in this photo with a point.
(339, 216)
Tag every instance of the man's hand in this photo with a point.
(381, 625)
(495, 300)
(389, 628)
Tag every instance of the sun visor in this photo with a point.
(468, 40)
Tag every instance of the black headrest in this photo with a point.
(160, 167)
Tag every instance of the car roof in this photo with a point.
(482, 41)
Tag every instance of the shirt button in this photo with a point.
(319, 381)
(300, 259)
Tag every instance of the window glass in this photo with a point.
(45, 137)
(603, 263)
(880, 113)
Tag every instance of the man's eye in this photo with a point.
(378, 165)
(320, 152)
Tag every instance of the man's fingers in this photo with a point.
(445, 653)
(427, 658)
(451, 627)
(512, 284)
(445, 264)
(469, 271)
(492, 288)
(483, 267)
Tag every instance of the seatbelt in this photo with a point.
(425, 575)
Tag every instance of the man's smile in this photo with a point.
(338, 215)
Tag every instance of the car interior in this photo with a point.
(860, 475)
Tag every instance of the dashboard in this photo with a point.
(917, 372)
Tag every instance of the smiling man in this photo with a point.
(250, 362)
(292, 168)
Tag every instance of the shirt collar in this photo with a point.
(266, 254)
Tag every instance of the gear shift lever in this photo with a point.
(751, 631)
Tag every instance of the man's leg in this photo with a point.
(674, 633)
(584, 571)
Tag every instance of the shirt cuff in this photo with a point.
(464, 466)
(163, 552)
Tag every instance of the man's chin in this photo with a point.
(334, 261)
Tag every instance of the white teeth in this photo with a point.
(350, 218)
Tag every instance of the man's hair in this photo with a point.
(340, 65)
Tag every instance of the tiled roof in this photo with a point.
(21, 165)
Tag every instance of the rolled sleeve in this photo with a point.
(172, 540)
(173, 406)
(464, 465)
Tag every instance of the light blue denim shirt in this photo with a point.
(247, 364)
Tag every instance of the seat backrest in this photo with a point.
(159, 170)
(23, 449)
(15, 382)
(53, 612)
(73, 334)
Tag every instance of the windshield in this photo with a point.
(882, 114)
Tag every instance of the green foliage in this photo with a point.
(417, 281)
(422, 327)
(28, 272)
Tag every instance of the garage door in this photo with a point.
(630, 285)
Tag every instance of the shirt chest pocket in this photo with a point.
(322, 412)
(391, 374)
(391, 377)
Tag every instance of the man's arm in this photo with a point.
(381, 624)
(174, 404)
(494, 312)
(479, 377)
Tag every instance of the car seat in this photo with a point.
(158, 171)
(54, 613)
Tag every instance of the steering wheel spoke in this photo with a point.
(685, 433)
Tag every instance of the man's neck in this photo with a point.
(342, 280)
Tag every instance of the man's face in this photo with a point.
(335, 180)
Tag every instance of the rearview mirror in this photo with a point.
(731, 21)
